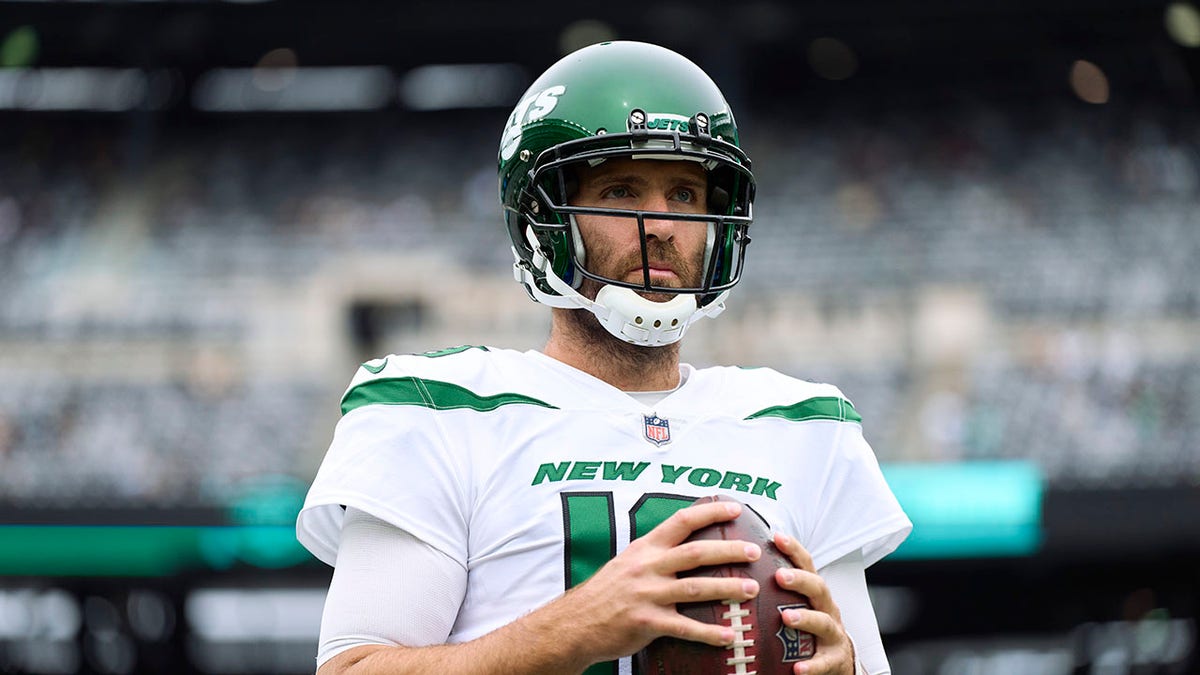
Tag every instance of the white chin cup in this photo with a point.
(643, 322)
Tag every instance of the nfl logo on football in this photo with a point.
(795, 647)
(657, 429)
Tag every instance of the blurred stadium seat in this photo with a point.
(132, 303)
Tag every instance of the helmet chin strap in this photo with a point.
(623, 313)
(643, 322)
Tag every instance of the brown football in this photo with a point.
(765, 646)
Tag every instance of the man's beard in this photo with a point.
(585, 325)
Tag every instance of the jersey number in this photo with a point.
(590, 537)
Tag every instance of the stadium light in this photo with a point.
(443, 87)
(1089, 82)
(276, 69)
(582, 33)
(321, 89)
(1183, 23)
(99, 89)
(20, 47)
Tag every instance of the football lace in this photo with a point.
(739, 660)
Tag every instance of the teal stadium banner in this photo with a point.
(962, 510)
(984, 509)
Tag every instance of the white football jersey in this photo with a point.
(532, 474)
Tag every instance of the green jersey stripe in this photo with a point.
(428, 394)
(816, 408)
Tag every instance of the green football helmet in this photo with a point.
(628, 100)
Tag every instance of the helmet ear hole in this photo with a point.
(570, 185)
(718, 200)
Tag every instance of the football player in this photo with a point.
(498, 511)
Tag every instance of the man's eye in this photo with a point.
(685, 195)
(617, 192)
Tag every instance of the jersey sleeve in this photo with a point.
(394, 462)
(855, 508)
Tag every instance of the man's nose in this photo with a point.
(658, 228)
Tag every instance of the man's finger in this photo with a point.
(792, 548)
(833, 647)
(697, 631)
(693, 554)
(673, 530)
(819, 624)
(706, 589)
(809, 584)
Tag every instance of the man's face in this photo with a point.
(675, 247)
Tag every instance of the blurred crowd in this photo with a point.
(984, 283)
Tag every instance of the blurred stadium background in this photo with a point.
(979, 219)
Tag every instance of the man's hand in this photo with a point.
(625, 605)
(631, 600)
(835, 652)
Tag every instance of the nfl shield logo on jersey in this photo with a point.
(658, 430)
